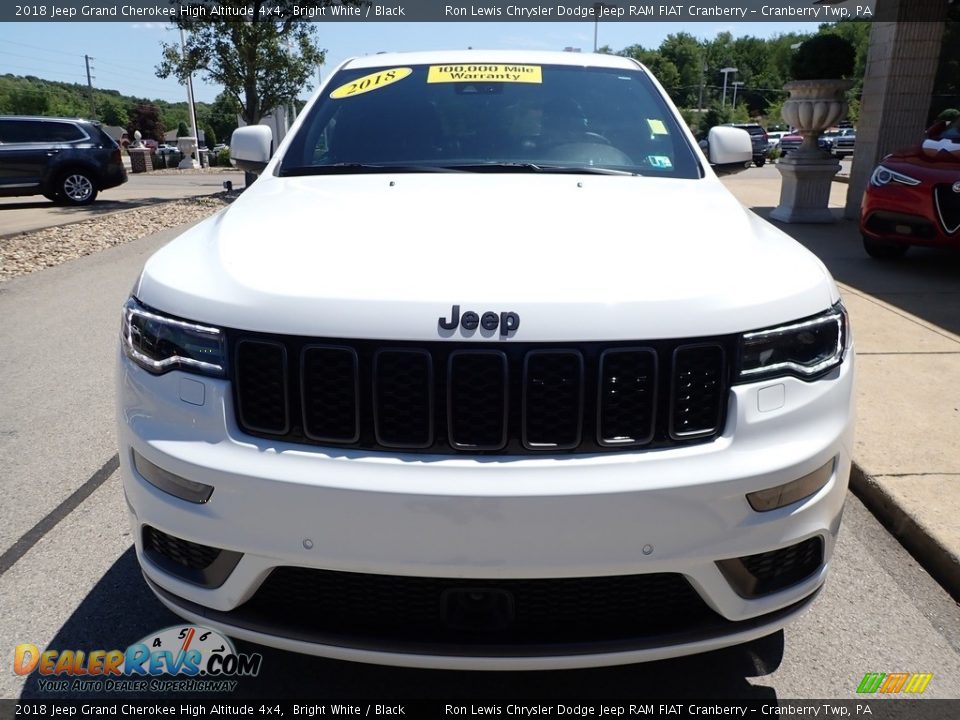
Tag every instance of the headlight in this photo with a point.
(805, 349)
(158, 343)
(883, 176)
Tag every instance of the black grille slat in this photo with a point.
(470, 397)
(756, 575)
(403, 398)
(477, 386)
(948, 207)
(182, 552)
(262, 383)
(698, 390)
(628, 396)
(330, 392)
(544, 610)
(552, 399)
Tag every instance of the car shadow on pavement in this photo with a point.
(120, 610)
(925, 283)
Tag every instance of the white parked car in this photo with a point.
(461, 382)
(773, 138)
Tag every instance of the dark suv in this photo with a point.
(65, 160)
(758, 138)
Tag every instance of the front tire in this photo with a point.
(76, 187)
(884, 251)
(760, 162)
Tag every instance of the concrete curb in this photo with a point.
(937, 559)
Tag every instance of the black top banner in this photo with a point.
(814, 11)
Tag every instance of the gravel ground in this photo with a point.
(32, 251)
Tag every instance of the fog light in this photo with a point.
(168, 482)
(793, 491)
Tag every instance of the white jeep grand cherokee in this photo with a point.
(486, 370)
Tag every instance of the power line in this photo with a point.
(43, 60)
(38, 47)
(34, 70)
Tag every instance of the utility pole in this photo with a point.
(93, 105)
(703, 70)
(193, 114)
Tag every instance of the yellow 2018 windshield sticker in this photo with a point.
(657, 127)
(373, 81)
(484, 73)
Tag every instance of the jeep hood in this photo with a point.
(577, 257)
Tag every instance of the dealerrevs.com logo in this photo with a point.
(893, 683)
(182, 658)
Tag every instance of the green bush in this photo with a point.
(223, 158)
(823, 57)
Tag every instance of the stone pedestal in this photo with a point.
(140, 160)
(187, 147)
(805, 189)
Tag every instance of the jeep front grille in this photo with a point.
(455, 397)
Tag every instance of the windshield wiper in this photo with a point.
(346, 168)
(540, 168)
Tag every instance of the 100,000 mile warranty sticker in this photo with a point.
(484, 73)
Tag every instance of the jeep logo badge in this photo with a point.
(508, 322)
(956, 187)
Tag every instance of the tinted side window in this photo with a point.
(60, 132)
(31, 131)
(17, 131)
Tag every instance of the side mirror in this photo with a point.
(729, 149)
(251, 147)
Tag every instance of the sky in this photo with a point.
(125, 54)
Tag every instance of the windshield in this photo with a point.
(522, 118)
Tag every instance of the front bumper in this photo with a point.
(905, 215)
(679, 510)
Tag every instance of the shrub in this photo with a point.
(823, 57)
(223, 158)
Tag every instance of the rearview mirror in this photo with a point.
(251, 147)
(729, 149)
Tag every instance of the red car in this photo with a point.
(913, 197)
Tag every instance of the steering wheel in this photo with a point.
(596, 138)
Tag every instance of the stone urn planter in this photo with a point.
(813, 106)
(187, 147)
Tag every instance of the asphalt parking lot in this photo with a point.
(22, 214)
(69, 578)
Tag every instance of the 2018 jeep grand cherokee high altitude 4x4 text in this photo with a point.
(461, 381)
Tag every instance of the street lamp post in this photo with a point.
(736, 84)
(726, 72)
(597, 7)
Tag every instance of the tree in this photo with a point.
(209, 136)
(223, 116)
(113, 111)
(262, 62)
(28, 100)
(686, 54)
(145, 117)
(182, 129)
